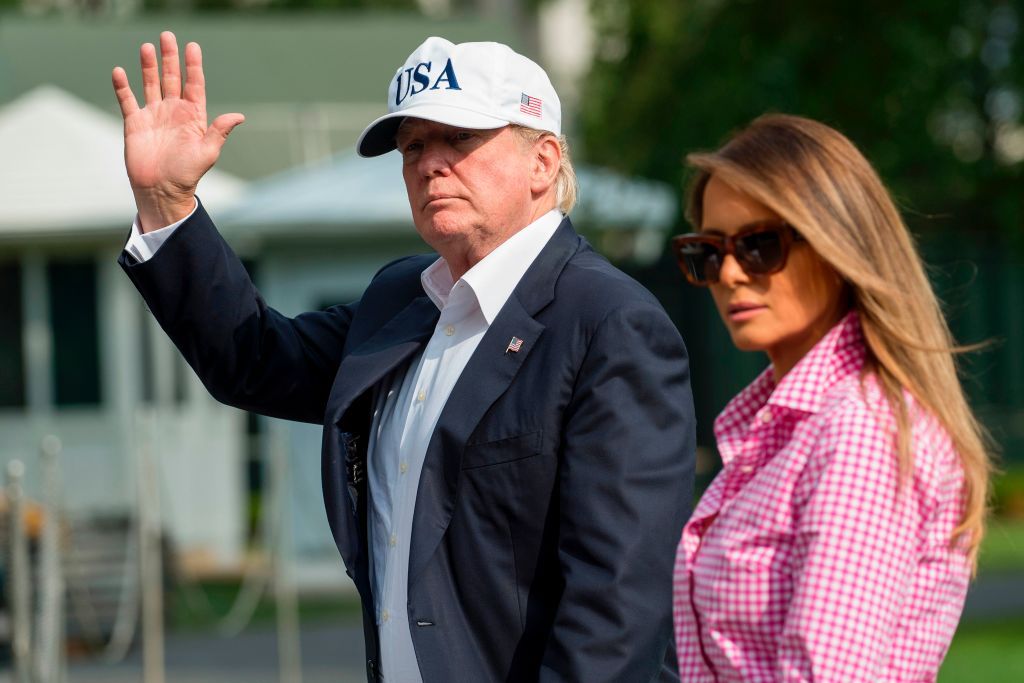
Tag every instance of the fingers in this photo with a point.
(150, 73)
(219, 130)
(195, 81)
(171, 68)
(123, 91)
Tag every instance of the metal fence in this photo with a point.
(101, 580)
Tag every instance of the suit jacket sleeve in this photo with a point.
(626, 486)
(247, 354)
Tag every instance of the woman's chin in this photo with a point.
(743, 340)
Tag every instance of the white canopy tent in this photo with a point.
(62, 169)
(73, 319)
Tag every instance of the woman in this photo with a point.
(838, 540)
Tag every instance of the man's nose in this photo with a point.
(434, 160)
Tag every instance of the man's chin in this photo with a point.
(441, 226)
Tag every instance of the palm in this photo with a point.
(163, 144)
(168, 145)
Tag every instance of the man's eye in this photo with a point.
(463, 135)
(411, 147)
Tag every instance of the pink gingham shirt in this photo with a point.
(801, 561)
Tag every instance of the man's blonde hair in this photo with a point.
(566, 185)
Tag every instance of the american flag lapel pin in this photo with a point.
(514, 345)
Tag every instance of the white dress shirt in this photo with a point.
(407, 411)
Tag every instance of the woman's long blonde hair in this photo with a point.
(814, 178)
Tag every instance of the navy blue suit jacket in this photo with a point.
(557, 480)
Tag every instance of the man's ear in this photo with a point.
(547, 159)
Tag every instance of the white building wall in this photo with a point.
(197, 442)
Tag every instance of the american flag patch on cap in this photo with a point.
(529, 105)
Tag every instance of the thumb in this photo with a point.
(219, 130)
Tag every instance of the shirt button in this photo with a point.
(385, 615)
(747, 469)
(403, 467)
(450, 330)
(422, 396)
(766, 416)
(393, 540)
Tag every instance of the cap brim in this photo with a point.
(379, 137)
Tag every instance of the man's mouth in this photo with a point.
(438, 197)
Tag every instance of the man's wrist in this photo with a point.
(158, 210)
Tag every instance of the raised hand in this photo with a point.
(168, 145)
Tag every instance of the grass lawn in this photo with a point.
(988, 652)
(991, 651)
(211, 600)
(1003, 547)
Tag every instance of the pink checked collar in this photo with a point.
(837, 356)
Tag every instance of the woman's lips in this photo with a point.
(744, 311)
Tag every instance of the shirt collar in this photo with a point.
(839, 354)
(497, 274)
(836, 356)
(437, 282)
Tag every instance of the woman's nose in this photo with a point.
(732, 272)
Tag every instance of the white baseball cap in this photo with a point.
(470, 85)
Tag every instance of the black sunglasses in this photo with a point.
(761, 248)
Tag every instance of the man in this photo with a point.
(508, 429)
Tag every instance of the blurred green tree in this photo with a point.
(931, 90)
(341, 4)
(285, 5)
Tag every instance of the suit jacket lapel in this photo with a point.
(486, 376)
(366, 365)
(381, 353)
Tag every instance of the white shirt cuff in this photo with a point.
(144, 245)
